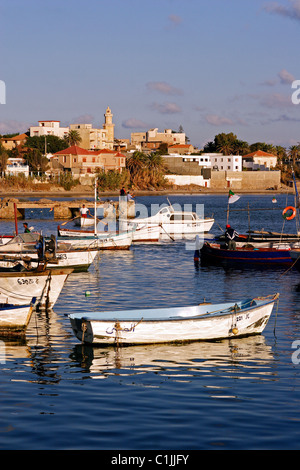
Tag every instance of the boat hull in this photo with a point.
(14, 319)
(171, 230)
(138, 328)
(295, 256)
(46, 286)
(245, 256)
(78, 260)
(140, 235)
(84, 222)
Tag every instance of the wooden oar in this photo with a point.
(71, 220)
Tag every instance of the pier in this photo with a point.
(11, 208)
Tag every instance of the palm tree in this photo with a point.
(241, 147)
(73, 137)
(3, 158)
(294, 153)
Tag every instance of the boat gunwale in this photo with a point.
(219, 313)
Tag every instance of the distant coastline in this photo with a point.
(89, 192)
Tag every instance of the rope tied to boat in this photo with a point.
(118, 329)
(84, 329)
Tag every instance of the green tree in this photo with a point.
(73, 137)
(46, 144)
(241, 147)
(36, 160)
(3, 158)
(294, 153)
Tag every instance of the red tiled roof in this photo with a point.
(75, 150)
(97, 152)
(259, 153)
(179, 145)
(18, 137)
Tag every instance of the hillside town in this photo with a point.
(80, 151)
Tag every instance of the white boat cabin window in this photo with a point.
(181, 217)
(165, 210)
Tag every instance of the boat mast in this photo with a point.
(95, 209)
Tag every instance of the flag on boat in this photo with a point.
(232, 197)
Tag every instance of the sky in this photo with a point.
(210, 66)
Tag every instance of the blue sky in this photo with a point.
(209, 66)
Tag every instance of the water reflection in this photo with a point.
(175, 361)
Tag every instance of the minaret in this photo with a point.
(109, 126)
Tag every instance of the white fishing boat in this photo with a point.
(194, 323)
(19, 288)
(143, 234)
(14, 319)
(173, 223)
(107, 241)
(20, 243)
(78, 260)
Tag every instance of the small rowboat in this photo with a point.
(14, 319)
(164, 325)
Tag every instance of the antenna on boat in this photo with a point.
(297, 199)
(170, 204)
(95, 209)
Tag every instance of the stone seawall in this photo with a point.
(11, 208)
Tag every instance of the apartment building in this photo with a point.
(152, 139)
(45, 128)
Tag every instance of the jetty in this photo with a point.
(11, 208)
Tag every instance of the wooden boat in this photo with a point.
(84, 221)
(20, 243)
(193, 323)
(79, 260)
(146, 234)
(14, 319)
(264, 239)
(246, 255)
(19, 288)
(172, 223)
(119, 241)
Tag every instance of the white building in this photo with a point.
(16, 166)
(225, 162)
(49, 128)
(216, 161)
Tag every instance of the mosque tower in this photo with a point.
(109, 126)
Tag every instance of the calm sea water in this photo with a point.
(56, 393)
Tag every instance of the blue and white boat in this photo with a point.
(164, 325)
(245, 256)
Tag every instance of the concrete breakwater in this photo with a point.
(11, 208)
